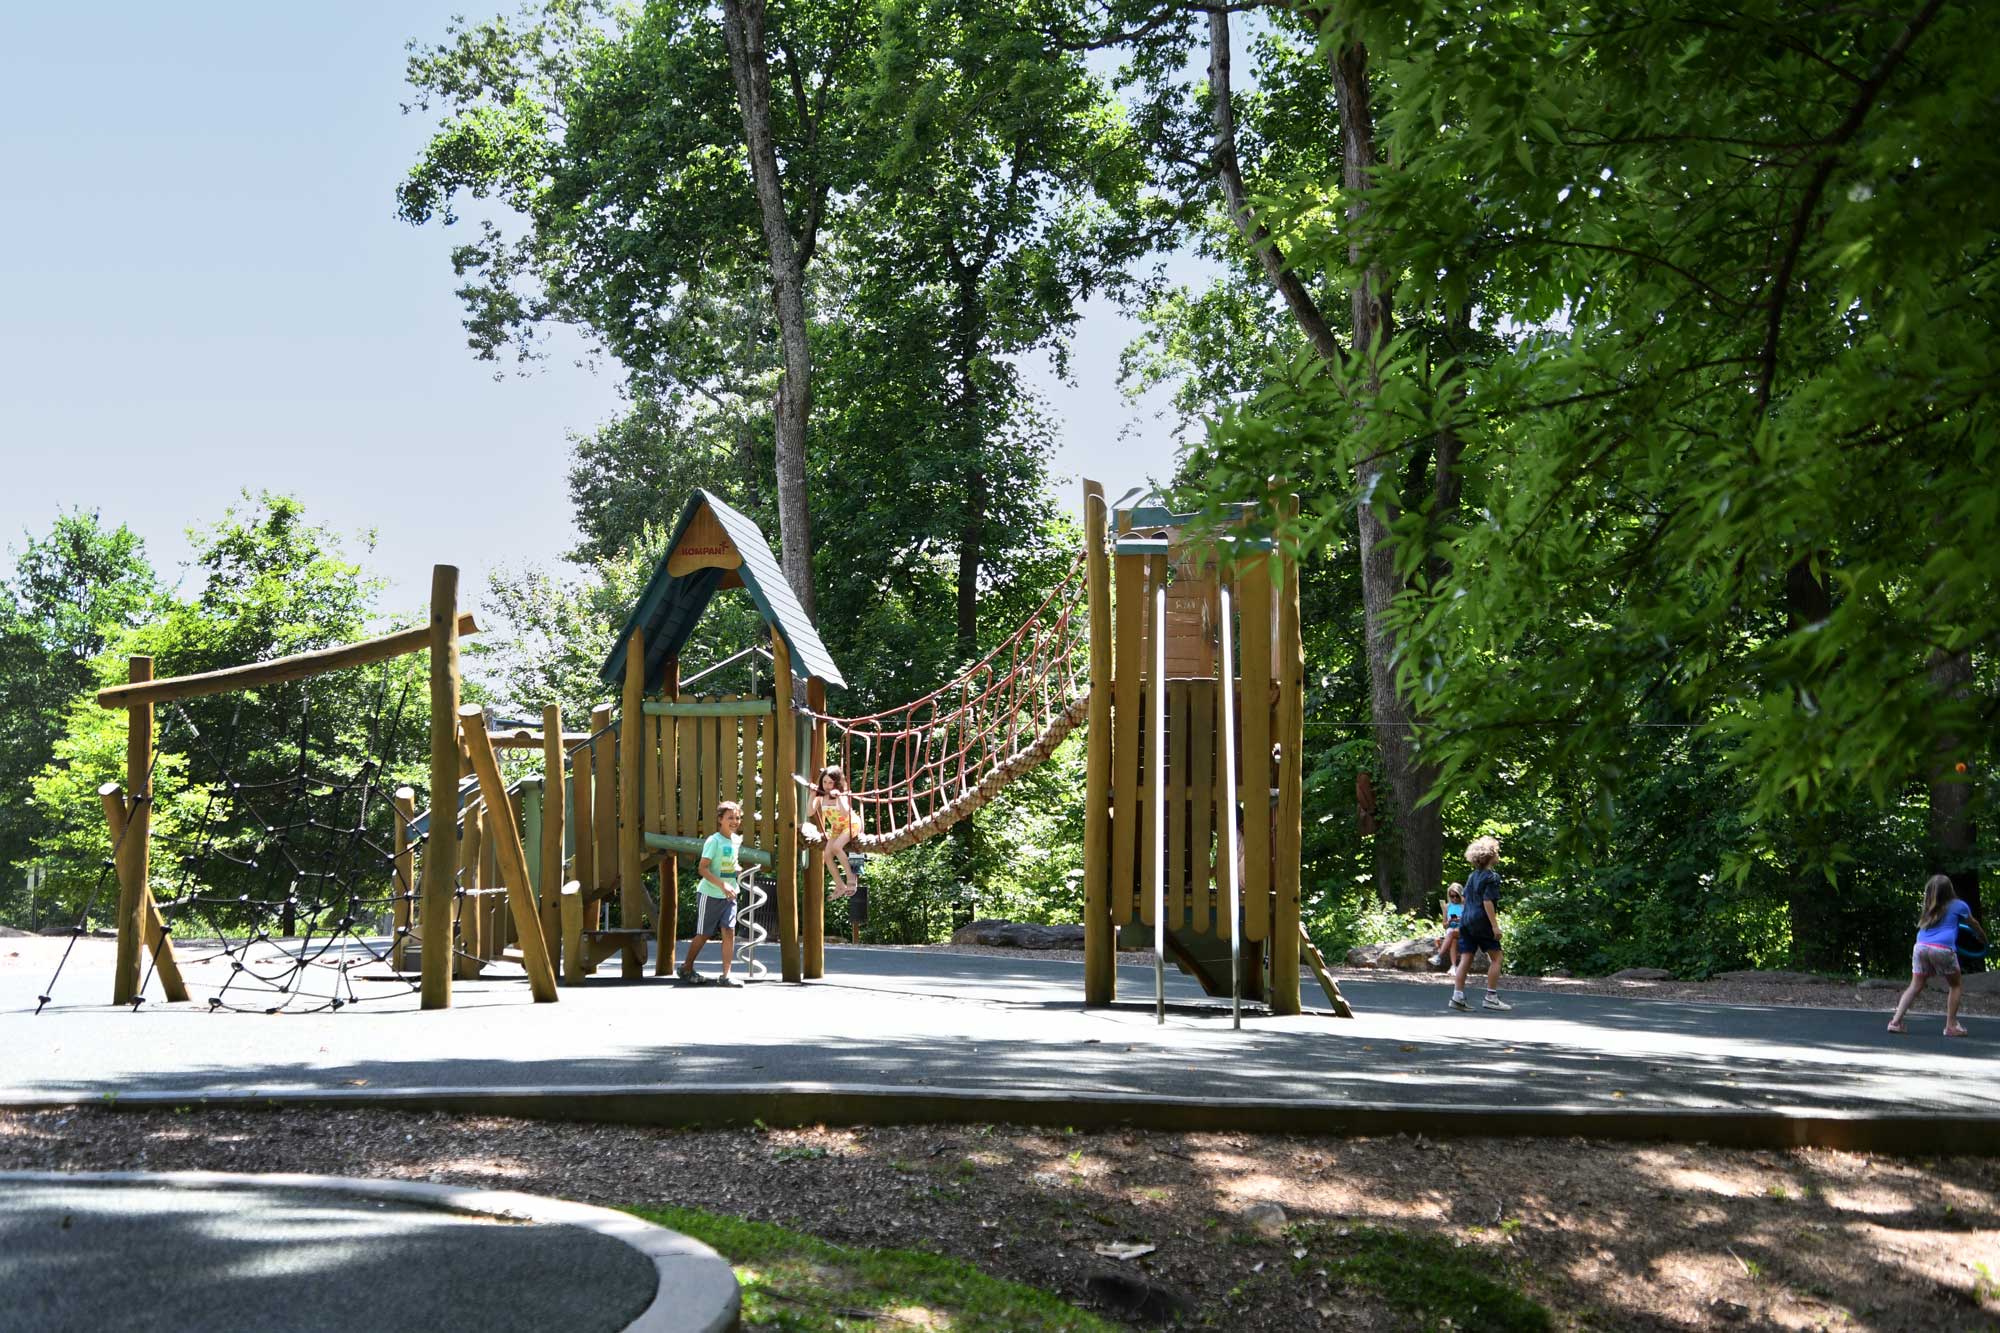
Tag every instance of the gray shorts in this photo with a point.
(1933, 960)
(714, 915)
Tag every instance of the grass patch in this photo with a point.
(801, 1284)
(1437, 1284)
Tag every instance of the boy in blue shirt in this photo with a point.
(715, 910)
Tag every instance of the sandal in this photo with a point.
(1898, 1029)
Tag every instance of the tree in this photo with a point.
(1740, 475)
(651, 164)
(72, 591)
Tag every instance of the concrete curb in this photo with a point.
(798, 1104)
(697, 1288)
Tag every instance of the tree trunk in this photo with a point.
(971, 547)
(1952, 828)
(1812, 906)
(743, 29)
(1419, 826)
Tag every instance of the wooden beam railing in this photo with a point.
(277, 670)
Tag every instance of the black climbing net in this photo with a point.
(275, 869)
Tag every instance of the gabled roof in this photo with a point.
(671, 604)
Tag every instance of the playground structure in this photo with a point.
(1176, 641)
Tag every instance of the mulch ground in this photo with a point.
(1607, 1236)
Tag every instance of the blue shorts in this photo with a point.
(714, 915)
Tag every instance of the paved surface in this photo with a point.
(931, 1021)
(89, 1254)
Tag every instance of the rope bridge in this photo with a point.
(919, 768)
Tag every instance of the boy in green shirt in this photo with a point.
(716, 908)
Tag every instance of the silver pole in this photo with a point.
(1226, 803)
(1158, 754)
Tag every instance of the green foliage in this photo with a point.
(71, 592)
(793, 1281)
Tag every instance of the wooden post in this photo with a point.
(785, 851)
(1255, 615)
(667, 930)
(154, 937)
(631, 752)
(134, 852)
(1100, 956)
(441, 854)
(404, 877)
(814, 927)
(1290, 833)
(512, 857)
(583, 803)
(604, 801)
(472, 907)
(570, 909)
(552, 829)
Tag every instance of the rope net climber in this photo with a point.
(919, 768)
(274, 862)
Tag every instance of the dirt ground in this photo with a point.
(1607, 1236)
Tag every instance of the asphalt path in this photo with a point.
(248, 1255)
(928, 1020)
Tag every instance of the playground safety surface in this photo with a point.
(209, 1250)
(920, 1035)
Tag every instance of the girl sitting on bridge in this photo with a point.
(833, 810)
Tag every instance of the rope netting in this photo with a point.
(274, 866)
(919, 768)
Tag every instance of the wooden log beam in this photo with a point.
(441, 853)
(523, 739)
(814, 927)
(708, 707)
(632, 902)
(280, 669)
(785, 848)
(668, 926)
(553, 799)
(134, 849)
(155, 938)
(512, 858)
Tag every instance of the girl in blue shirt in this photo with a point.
(1936, 951)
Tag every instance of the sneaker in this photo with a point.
(1458, 1003)
(726, 980)
(692, 977)
(1493, 1001)
(1435, 960)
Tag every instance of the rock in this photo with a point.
(1138, 1299)
(1266, 1217)
(1408, 956)
(1880, 983)
(9, 933)
(1982, 983)
(1560, 974)
(1643, 974)
(1018, 935)
(1368, 955)
(1727, 1310)
(1758, 977)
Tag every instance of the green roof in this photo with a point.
(670, 606)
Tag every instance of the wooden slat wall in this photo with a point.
(1127, 714)
(729, 760)
(583, 826)
(756, 815)
(656, 775)
(1201, 769)
(1255, 616)
(690, 777)
(1289, 836)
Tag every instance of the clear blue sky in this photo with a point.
(204, 287)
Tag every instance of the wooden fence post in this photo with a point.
(441, 853)
(785, 852)
(604, 797)
(134, 850)
(512, 858)
(1100, 957)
